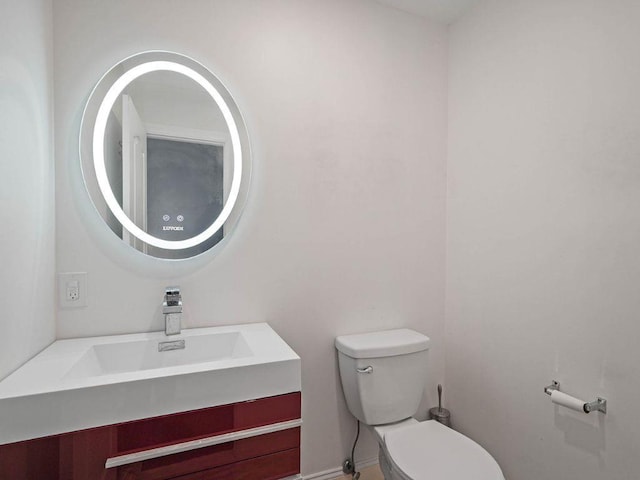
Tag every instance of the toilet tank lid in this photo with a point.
(382, 344)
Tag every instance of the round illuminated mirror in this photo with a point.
(165, 155)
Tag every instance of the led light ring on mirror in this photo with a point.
(101, 171)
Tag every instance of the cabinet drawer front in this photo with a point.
(270, 467)
(187, 426)
(174, 449)
(223, 456)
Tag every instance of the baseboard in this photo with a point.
(337, 472)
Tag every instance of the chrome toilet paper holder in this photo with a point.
(598, 405)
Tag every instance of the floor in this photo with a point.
(369, 473)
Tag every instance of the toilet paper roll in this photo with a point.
(568, 401)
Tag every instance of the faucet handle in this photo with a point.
(172, 296)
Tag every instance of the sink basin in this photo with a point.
(120, 357)
(89, 382)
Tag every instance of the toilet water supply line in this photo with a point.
(349, 465)
(561, 398)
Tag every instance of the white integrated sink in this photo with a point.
(88, 382)
(132, 356)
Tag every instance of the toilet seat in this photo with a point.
(430, 451)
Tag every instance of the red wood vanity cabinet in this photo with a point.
(254, 440)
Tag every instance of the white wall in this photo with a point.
(344, 227)
(27, 193)
(544, 234)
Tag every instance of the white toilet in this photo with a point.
(383, 377)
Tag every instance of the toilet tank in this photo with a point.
(383, 374)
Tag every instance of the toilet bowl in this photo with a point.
(383, 376)
(430, 451)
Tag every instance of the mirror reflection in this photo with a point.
(167, 150)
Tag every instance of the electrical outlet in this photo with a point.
(72, 289)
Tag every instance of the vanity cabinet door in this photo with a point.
(72, 456)
(33, 459)
(82, 454)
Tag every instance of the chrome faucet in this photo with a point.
(172, 310)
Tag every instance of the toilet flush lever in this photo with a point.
(368, 369)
